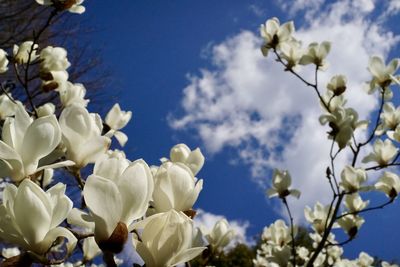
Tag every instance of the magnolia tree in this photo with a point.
(121, 202)
(280, 246)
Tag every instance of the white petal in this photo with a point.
(136, 187)
(32, 209)
(121, 137)
(104, 200)
(40, 139)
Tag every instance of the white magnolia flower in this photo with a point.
(54, 59)
(316, 54)
(390, 118)
(72, 6)
(275, 34)
(21, 53)
(7, 106)
(389, 183)
(82, 135)
(175, 187)
(350, 224)
(343, 122)
(221, 234)
(117, 119)
(25, 142)
(318, 216)
(384, 152)
(281, 182)
(193, 159)
(116, 195)
(278, 234)
(381, 73)
(3, 61)
(352, 178)
(292, 52)
(73, 94)
(166, 239)
(337, 84)
(365, 260)
(354, 202)
(30, 217)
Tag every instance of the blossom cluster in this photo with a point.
(124, 202)
(280, 244)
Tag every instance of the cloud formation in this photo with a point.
(249, 103)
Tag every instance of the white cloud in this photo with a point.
(249, 102)
(206, 220)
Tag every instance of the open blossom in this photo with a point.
(390, 118)
(21, 53)
(166, 240)
(389, 183)
(352, 178)
(350, 224)
(25, 142)
(281, 182)
(354, 202)
(73, 6)
(337, 84)
(193, 159)
(30, 217)
(316, 54)
(384, 152)
(221, 234)
(318, 216)
(116, 195)
(175, 187)
(292, 52)
(3, 61)
(382, 74)
(276, 249)
(343, 122)
(275, 34)
(82, 135)
(117, 119)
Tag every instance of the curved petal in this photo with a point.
(40, 139)
(90, 151)
(104, 201)
(52, 235)
(78, 218)
(186, 255)
(121, 137)
(65, 163)
(62, 205)
(136, 187)
(110, 168)
(32, 210)
(21, 124)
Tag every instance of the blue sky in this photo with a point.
(191, 72)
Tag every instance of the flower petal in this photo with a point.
(104, 201)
